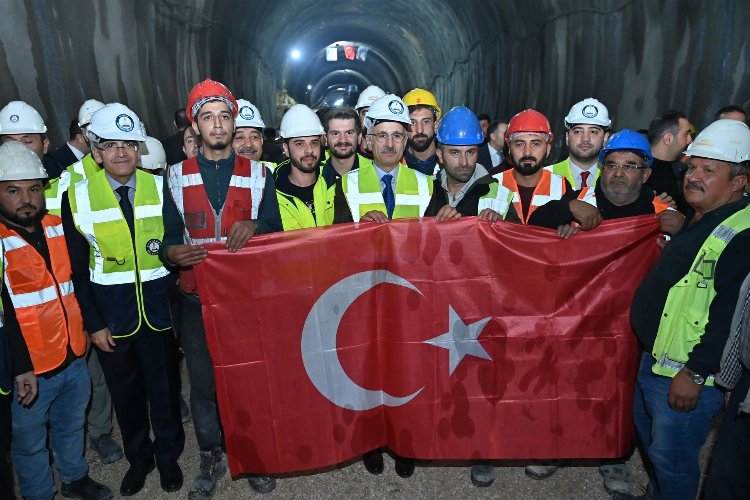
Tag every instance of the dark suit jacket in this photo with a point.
(483, 156)
(63, 156)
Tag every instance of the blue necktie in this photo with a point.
(388, 196)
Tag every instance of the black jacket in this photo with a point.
(469, 204)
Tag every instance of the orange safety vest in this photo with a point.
(46, 307)
(550, 187)
(588, 194)
(244, 195)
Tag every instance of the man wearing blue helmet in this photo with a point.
(462, 186)
(625, 163)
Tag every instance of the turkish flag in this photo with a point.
(452, 340)
(349, 52)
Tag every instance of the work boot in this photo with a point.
(212, 468)
(540, 471)
(482, 475)
(262, 484)
(616, 478)
(85, 488)
(107, 448)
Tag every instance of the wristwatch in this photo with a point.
(697, 379)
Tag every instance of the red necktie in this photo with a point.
(584, 177)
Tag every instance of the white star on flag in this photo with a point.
(461, 339)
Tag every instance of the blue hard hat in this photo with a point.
(628, 140)
(460, 127)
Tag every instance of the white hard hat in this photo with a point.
(19, 163)
(300, 121)
(724, 140)
(153, 156)
(115, 122)
(588, 112)
(368, 96)
(248, 115)
(86, 110)
(17, 117)
(390, 108)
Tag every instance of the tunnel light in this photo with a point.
(309, 87)
(295, 53)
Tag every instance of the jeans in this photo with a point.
(672, 440)
(728, 472)
(201, 374)
(61, 404)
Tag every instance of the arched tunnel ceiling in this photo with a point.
(639, 57)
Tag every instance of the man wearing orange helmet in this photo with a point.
(424, 112)
(213, 196)
(529, 140)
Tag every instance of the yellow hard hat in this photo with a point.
(422, 97)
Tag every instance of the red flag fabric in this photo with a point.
(349, 52)
(452, 340)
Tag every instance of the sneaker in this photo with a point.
(482, 475)
(540, 471)
(212, 468)
(262, 484)
(107, 448)
(86, 488)
(616, 478)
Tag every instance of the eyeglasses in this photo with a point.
(627, 167)
(382, 137)
(112, 146)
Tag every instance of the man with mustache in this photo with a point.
(213, 196)
(587, 126)
(682, 312)
(529, 141)
(343, 130)
(300, 188)
(424, 114)
(248, 133)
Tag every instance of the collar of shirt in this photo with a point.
(75, 151)
(454, 200)
(576, 171)
(114, 185)
(494, 155)
(381, 173)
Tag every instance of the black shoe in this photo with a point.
(86, 488)
(135, 478)
(404, 467)
(170, 476)
(262, 484)
(373, 461)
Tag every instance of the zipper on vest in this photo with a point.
(217, 213)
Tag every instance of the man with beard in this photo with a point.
(216, 183)
(669, 135)
(46, 336)
(587, 126)
(463, 185)
(529, 141)
(21, 122)
(248, 133)
(682, 314)
(383, 190)
(424, 114)
(342, 130)
(300, 188)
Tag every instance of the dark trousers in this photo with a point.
(201, 374)
(6, 469)
(143, 379)
(728, 472)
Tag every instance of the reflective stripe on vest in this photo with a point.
(685, 314)
(245, 194)
(46, 308)
(363, 192)
(54, 190)
(550, 187)
(498, 199)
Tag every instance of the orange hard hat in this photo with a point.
(209, 90)
(529, 120)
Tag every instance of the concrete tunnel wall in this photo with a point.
(639, 57)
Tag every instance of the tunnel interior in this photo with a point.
(639, 57)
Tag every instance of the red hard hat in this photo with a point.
(529, 120)
(209, 90)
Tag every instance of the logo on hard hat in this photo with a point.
(590, 111)
(396, 107)
(125, 123)
(14, 118)
(247, 112)
(152, 247)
